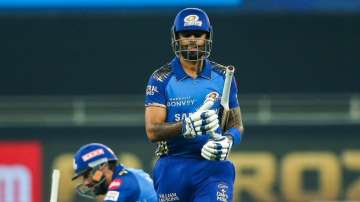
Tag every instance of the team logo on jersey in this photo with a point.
(115, 184)
(92, 154)
(112, 196)
(222, 193)
(192, 20)
(213, 95)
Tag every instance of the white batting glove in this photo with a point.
(217, 149)
(200, 123)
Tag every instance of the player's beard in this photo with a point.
(192, 55)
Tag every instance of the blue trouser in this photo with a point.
(190, 179)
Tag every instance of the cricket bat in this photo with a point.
(224, 111)
(55, 185)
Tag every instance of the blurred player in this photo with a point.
(192, 165)
(101, 175)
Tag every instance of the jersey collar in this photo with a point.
(118, 169)
(180, 73)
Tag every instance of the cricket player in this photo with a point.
(101, 175)
(193, 165)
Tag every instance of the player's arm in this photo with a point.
(156, 128)
(155, 109)
(235, 120)
(199, 123)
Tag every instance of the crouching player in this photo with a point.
(101, 175)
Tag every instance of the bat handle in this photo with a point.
(231, 68)
(55, 185)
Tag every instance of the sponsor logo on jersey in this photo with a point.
(180, 101)
(192, 20)
(92, 154)
(179, 117)
(222, 193)
(151, 90)
(112, 196)
(115, 184)
(168, 197)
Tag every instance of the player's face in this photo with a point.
(87, 180)
(192, 39)
(93, 184)
(192, 44)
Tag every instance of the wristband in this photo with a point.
(235, 134)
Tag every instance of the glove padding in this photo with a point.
(200, 123)
(217, 149)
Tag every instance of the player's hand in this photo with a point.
(200, 123)
(217, 149)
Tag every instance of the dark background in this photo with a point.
(62, 54)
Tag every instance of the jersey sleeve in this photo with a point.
(233, 99)
(126, 191)
(155, 92)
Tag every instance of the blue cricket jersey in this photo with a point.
(130, 185)
(170, 87)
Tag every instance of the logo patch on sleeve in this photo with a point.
(115, 184)
(112, 196)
